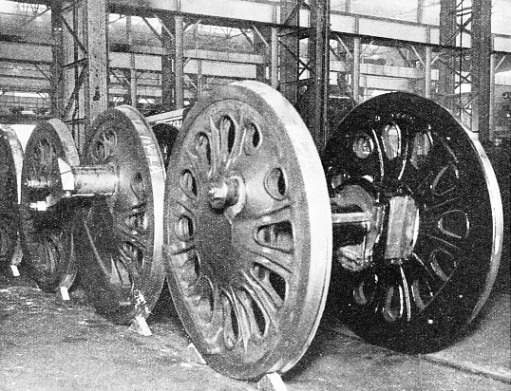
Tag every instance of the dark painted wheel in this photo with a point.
(11, 162)
(120, 237)
(46, 224)
(247, 231)
(418, 236)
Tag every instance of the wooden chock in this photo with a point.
(14, 270)
(271, 382)
(194, 355)
(139, 325)
(64, 293)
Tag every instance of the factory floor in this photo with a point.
(49, 345)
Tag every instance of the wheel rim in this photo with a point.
(428, 176)
(11, 161)
(119, 246)
(46, 233)
(244, 230)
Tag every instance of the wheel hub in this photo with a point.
(223, 193)
(356, 235)
(213, 238)
(402, 228)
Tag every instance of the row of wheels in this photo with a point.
(400, 221)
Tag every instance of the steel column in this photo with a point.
(133, 67)
(420, 11)
(84, 65)
(447, 65)
(289, 49)
(481, 66)
(427, 72)
(96, 87)
(57, 92)
(179, 71)
(274, 72)
(493, 70)
(357, 44)
(319, 61)
(168, 62)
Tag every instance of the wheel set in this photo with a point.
(400, 221)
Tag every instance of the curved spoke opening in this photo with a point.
(422, 293)
(393, 307)
(231, 332)
(254, 138)
(275, 183)
(443, 263)
(278, 236)
(188, 184)
(104, 146)
(365, 291)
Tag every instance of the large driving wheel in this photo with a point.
(120, 236)
(46, 223)
(247, 231)
(11, 162)
(417, 222)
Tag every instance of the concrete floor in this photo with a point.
(47, 344)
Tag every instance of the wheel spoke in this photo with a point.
(265, 298)
(241, 307)
(238, 142)
(218, 153)
(276, 260)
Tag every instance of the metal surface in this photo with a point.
(11, 163)
(424, 265)
(166, 137)
(119, 237)
(247, 231)
(46, 224)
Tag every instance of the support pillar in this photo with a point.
(84, 54)
(493, 70)
(319, 61)
(133, 66)
(289, 49)
(448, 63)
(57, 91)
(274, 62)
(200, 80)
(420, 11)
(481, 68)
(168, 63)
(427, 71)
(357, 45)
(179, 71)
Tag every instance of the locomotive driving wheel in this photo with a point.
(417, 222)
(47, 224)
(247, 231)
(120, 231)
(11, 162)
